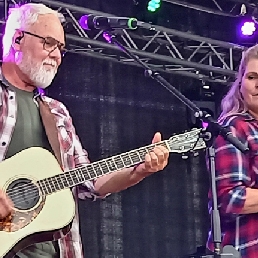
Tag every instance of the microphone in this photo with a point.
(89, 22)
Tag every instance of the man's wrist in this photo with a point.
(138, 173)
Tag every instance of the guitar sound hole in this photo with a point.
(23, 193)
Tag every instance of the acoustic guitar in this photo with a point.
(44, 206)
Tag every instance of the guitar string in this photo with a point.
(38, 190)
(130, 154)
(63, 175)
(91, 165)
(32, 190)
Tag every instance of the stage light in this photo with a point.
(154, 5)
(248, 28)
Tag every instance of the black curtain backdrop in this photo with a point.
(116, 109)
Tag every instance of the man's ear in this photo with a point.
(18, 36)
(18, 40)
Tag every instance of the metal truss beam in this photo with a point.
(218, 7)
(163, 49)
(231, 8)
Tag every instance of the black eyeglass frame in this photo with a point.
(59, 45)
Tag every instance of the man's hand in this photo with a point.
(6, 205)
(117, 181)
(155, 160)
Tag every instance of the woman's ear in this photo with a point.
(240, 91)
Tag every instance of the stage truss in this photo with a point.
(231, 8)
(163, 49)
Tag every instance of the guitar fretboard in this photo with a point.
(96, 169)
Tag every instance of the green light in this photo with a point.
(151, 9)
(153, 5)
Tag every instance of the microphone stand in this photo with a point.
(209, 134)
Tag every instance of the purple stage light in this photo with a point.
(248, 28)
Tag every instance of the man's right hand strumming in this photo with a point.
(6, 205)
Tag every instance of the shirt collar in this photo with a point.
(248, 117)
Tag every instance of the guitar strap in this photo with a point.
(49, 124)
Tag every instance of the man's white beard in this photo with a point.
(36, 72)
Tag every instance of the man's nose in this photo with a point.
(56, 54)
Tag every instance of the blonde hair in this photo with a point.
(21, 18)
(233, 102)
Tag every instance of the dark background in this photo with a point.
(116, 109)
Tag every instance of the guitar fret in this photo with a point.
(114, 162)
(149, 148)
(104, 166)
(119, 162)
(142, 152)
(59, 182)
(56, 183)
(99, 169)
(126, 160)
(91, 172)
(136, 157)
(52, 182)
(70, 180)
(130, 157)
(62, 177)
(110, 164)
(164, 144)
(65, 181)
(81, 175)
(48, 186)
(43, 187)
(96, 169)
(75, 176)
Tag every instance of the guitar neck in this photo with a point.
(96, 169)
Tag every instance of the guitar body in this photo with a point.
(36, 217)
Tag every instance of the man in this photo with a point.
(32, 52)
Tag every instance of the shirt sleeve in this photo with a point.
(232, 169)
(87, 189)
(80, 158)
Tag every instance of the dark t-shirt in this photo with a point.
(29, 132)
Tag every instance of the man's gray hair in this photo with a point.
(21, 18)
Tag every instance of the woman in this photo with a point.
(236, 172)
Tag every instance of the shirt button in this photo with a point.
(11, 97)
(3, 143)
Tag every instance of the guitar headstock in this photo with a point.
(188, 141)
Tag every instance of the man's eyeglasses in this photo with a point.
(49, 43)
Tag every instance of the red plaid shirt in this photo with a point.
(73, 155)
(235, 172)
